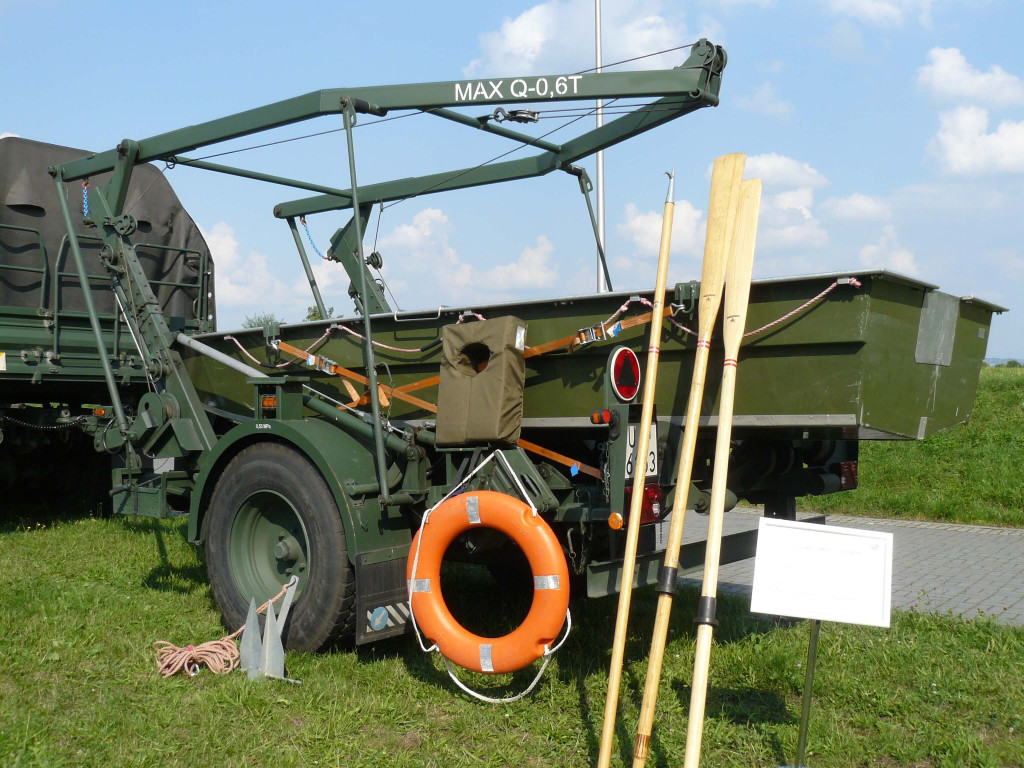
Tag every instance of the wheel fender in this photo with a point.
(337, 455)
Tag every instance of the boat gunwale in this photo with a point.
(442, 310)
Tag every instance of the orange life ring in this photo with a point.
(515, 519)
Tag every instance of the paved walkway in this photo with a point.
(968, 570)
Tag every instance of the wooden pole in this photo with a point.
(726, 176)
(636, 501)
(737, 295)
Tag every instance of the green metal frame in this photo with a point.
(691, 86)
(674, 93)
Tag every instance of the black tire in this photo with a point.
(270, 493)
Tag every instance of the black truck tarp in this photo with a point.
(168, 242)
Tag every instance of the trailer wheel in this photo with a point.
(272, 516)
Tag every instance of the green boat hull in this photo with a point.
(868, 361)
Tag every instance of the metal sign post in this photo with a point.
(805, 712)
(810, 571)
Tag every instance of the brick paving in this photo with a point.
(966, 570)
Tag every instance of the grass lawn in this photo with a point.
(969, 474)
(83, 601)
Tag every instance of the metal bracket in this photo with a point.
(124, 224)
(516, 115)
(599, 332)
(686, 295)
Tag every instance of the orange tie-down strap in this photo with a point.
(566, 342)
(401, 393)
(329, 366)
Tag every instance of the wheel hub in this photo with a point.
(268, 545)
(287, 549)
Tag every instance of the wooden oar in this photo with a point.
(737, 295)
(725, 193)
(636, 501)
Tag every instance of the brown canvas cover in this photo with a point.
(30, 212)
(485, 405)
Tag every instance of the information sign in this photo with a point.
(813, 571)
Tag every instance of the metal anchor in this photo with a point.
(265, 658)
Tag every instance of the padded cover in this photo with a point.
(28, 198)
(481, 406)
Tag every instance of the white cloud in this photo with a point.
(519, 43)
(242, 281)
(6, 135)
(964, 146)
(559, 36)
(888, 253)
(533, 269)
(948, 74)
(804, 234)
(782, 171)
(883, 13)
(858, 207)
(799, 200)
(765, 101)
(643, 229)
(419, 259)
(426, 257)
(787, 218)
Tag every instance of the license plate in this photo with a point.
(632, 437)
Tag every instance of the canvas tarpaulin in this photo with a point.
(168, 242)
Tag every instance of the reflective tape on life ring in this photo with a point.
(542, 624)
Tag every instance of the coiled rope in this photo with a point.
(219, 656)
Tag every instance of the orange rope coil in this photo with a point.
(219, 656)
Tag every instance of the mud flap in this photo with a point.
(382, 602)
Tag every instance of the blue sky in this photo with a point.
(889, 133)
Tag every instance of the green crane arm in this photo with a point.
(673, 93)
(572, 151)
(696, 81)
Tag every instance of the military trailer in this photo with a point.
(315, 449)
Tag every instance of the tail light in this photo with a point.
(652, 506)
(847, 475)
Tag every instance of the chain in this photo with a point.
(578, 560)
(606, 479)
(85, 199)
(43, 427)
(391, 388)
(302, 221)
(572, 551)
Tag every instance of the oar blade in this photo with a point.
(741, 263)
(726, 178)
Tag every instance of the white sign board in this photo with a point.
(813, 571)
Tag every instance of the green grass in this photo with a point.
(83, 600)
(968, 474)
